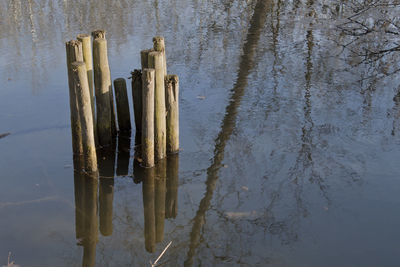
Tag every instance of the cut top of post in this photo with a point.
(99, 34)
(159, 43)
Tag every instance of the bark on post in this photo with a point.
(121, 96)
(148, 118)
(81, 87)
(137, 103)
(159, 46)
(144, 58)
(74, 53)
(172, 105)
(85, 39)
(160, 135)
(102, 83)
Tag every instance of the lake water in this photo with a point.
(290, 136)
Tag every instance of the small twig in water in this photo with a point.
(159, 257)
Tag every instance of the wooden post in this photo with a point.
(102, 83)
(101, 34)
(74, 53)
(160, 190)
(159, 46)
(137, 103)
(85, 39)
(160, 135)
(149, 213)
(144, 58)
(172, 105)
(148, 118)
(121, 97)
(81, 86)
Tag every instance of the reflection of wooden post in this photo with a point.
(171, 199)
(137, 103)
(160, 135)
(81, 87)
(79, 196)
(106, 196)
(121, 97)
(74, 53)
(148, 118)
(91, 222)
(106, 190)
(85, 39)
(102, 83)
(172, 105)
(124, 149)
(159, 46)
(160, 198)
(148, 205)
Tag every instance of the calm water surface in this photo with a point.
(289, 135)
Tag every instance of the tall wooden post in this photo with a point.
(159, 46)
(172, 103)
(102, 83)
(148, 118)
(121, 97)
(144, 58)
(85, 39)
(81, 86)
(160, 135)
(74, 53)
(137, 104)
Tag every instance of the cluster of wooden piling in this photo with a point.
(93, 115)
(156, 105)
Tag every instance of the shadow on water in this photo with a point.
(247, 62)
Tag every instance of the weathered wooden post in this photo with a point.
(148, 117)
(121, 97)
(172, 105)
(102, 83)
(149, 212)
(74, 53)
(81, 87)
(101, 34)
(137, 103)
(144, 58)
(160, 135)
(159, 46)
(160, 190)
(85, 39)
